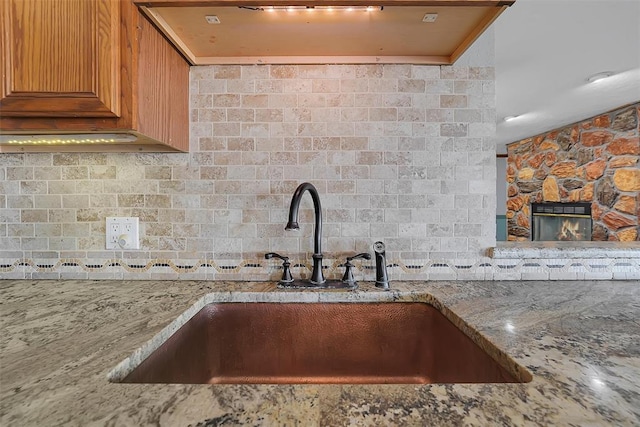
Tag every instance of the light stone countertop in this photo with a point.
(60, 339)
(561, 250)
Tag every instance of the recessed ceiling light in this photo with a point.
(294, 8)
(430, 17)
(600, 76)
(510, 118)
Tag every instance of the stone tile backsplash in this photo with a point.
(399, 153)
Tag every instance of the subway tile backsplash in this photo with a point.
(379, 141)
(400, 153)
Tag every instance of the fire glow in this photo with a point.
(570, 231)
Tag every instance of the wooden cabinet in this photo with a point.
(61, 59)
(78, 66)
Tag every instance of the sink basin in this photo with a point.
(324, 343)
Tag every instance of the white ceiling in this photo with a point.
(545, 51)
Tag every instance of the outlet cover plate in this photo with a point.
(122, 233)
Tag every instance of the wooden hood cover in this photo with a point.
(315, 32)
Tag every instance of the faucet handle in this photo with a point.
(348, 272)
(286, 272)
(363, 255)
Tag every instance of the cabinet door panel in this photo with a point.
(60, 58)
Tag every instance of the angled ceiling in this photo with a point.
(545, 51)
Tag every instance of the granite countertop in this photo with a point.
(60, 339)
(561, 250)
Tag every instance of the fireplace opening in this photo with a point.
(560, 221)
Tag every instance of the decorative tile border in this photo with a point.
(260, 269)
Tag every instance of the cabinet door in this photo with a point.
(60, 58)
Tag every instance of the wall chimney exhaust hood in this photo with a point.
(324, 31)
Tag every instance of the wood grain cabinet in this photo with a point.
(98, 66)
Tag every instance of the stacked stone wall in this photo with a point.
(596, 160)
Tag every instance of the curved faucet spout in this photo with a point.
(316, 276)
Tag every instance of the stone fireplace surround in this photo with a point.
(594, 161)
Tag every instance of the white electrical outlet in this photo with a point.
(122, 233)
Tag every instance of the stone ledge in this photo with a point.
(570, 250)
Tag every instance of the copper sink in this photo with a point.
(323, 343)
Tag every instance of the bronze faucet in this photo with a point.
(317, 278)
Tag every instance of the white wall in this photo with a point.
(501, 186)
